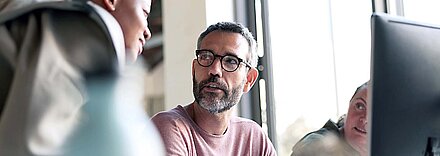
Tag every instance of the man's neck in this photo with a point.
(215, 124)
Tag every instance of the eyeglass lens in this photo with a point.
(228, 62)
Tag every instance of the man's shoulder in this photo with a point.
(173, 116)
(172, 113)
(244, 124)
(49, 7)
(244, 121)
(252, 132)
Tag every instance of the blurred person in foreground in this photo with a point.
(69, 84)
(347, 137)
(224, 69)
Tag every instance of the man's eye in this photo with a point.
(205, 57)
(230, 60)
(145, 14)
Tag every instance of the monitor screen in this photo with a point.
(405, 87)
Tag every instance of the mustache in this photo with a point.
(213, 80)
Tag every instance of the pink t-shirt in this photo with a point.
(182, 136)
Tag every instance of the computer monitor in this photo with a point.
(405, 87)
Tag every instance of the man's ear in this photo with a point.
(192, 67)
(251, 77)
(110, 5)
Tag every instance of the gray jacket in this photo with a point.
(327, 141)
(60, 85)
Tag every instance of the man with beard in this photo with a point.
(224, 69)
(348, 137)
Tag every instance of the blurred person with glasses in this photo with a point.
(224, 69)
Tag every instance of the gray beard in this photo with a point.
(211, 102)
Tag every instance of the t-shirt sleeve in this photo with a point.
(269, 149)
(168, 126)
(260, 141)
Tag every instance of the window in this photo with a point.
(425, 10)
(320, 54)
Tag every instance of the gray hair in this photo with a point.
(234, 28)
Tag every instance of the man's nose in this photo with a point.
(216, 67)
(147, 33)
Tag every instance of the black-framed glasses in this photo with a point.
(229, 63)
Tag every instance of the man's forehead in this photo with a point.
(240, 48)
(218, 38)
